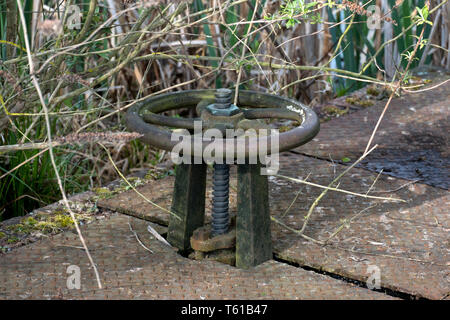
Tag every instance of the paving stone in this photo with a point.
(160, 193)
(130, 203)
(129, 271)
(413, 137)
(407, 241)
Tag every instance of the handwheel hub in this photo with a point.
(223, 106)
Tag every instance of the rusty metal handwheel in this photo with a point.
(144, 118)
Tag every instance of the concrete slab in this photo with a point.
(131, 203)
(408, 242)
(413, 137)
(160, 193)
(129, 271)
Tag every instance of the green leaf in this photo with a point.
(345, 159)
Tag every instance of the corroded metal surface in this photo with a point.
(161, 138)
(407, 241)
(253, 237)
(188, 204)
(413, 137)
(128, 271)
(202, 240)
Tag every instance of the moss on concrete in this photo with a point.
(103, 192)
(48, 223)
(359, 102)
(12, 240)
(335, 111)
(373, 91)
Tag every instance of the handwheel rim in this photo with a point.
(160, 138)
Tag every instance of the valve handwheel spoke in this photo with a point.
(249, 114)
(160, 120)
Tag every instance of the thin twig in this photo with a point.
(137, 237)
(50, 149)
(236, 93)
(399, 188)
(133, 187)
(374, 181)
(21, 164)
(347, 223)
(395, 90)
(295, 198)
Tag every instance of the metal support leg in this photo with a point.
(188, 202)
(253, 238)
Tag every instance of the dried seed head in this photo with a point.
(50, 27)
(103, 137)
(355, 7)
(146, 3)
(73, 78)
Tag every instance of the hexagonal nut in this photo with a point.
(223, 112)
(220, 122)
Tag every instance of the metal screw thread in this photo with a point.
(223, 98)
(221, 177)
(220, 216)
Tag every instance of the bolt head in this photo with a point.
(230, 111)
